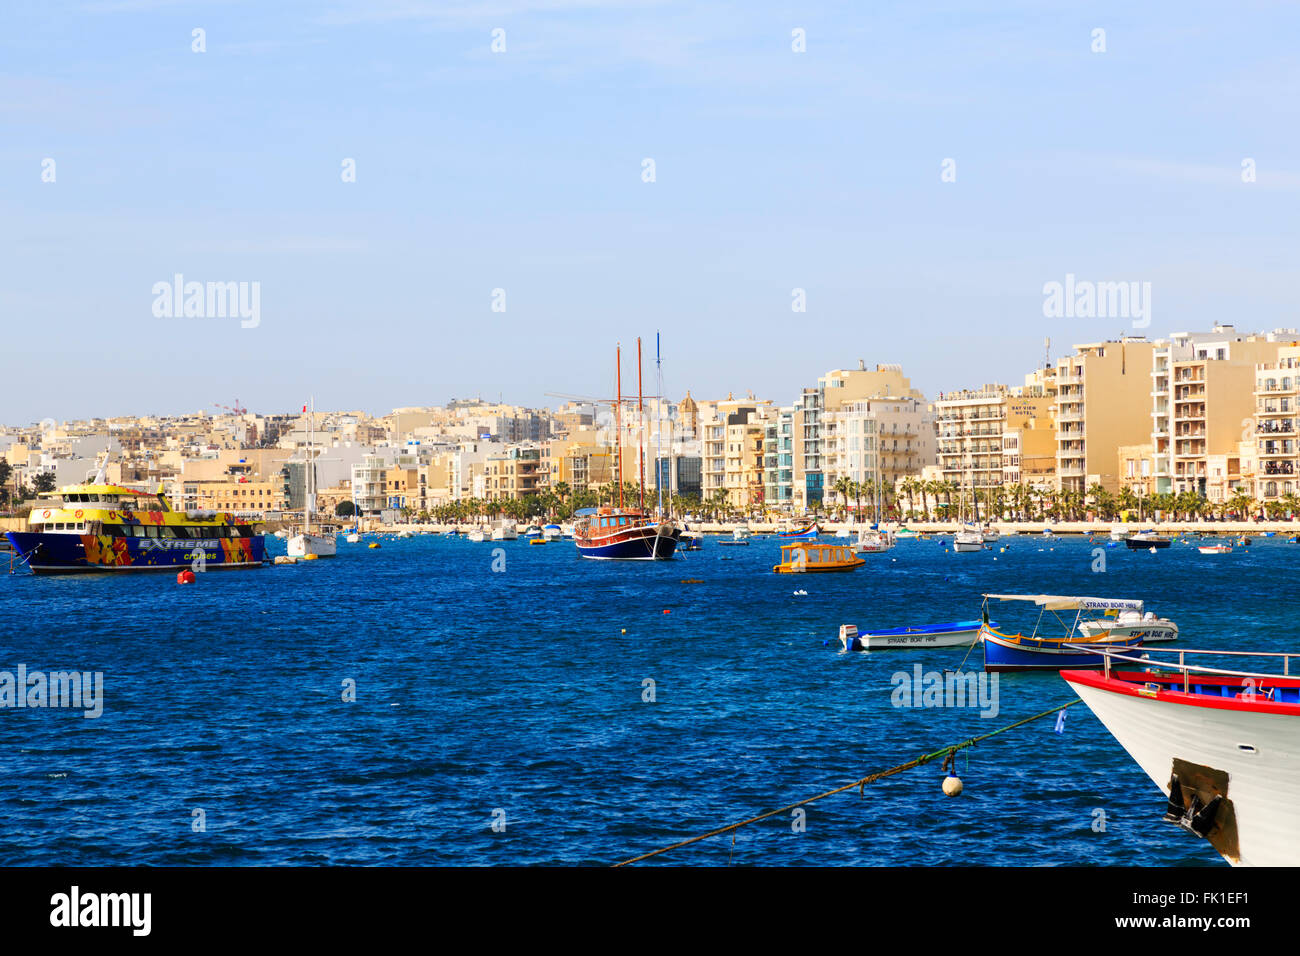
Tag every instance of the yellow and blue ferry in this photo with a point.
(105, 527)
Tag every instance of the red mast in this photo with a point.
(618, 420)
(640, 438)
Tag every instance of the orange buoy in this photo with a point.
(186, 577)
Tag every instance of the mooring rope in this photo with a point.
(860, 784)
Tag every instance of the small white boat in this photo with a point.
(968, 539)
(1131, 623)
(905, 533)
(478, 536)
(532, 531)
(311, 542)
(1215, 549)
(740, 532)
(990, 535)
(567, 529)
(353, 538)
(1119, 532)
(873, 542)
(950, 634)
(505, 531)
(552, 532)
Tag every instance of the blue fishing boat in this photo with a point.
(806, 533)
(949, 634)
(1074, 648)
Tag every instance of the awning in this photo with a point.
(1059, 602)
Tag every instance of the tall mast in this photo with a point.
(659, 428)
(311, 468)
(640, 438)
(618, 420)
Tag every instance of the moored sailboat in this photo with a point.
(621, 533)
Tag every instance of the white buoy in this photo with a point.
(952, 785)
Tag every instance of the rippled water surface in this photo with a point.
(518, 693)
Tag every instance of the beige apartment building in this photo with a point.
(878, 441)
(1100, 390)
(995, 435)
(516, 474)
(1204, 403)
(835, 389)
(1135, 469)
(1274, 425)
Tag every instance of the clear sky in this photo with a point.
(523, 170)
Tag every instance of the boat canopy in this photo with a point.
(1059, 602)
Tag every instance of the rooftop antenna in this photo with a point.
(1047, 353)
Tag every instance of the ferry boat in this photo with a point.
(1038, 652)
(805, 557)
(98, 526)
(1220, 744)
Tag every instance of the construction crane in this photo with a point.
(237, 409)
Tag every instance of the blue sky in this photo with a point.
(522, 171)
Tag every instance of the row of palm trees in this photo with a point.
(946, 500)
(561, 502)
(937, 499)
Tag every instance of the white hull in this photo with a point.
(501, 534)
(902, 641)
(476, 536)
(321, 545)
(353, 538)
(1262, 782)
(967, 545)
(1151, 632)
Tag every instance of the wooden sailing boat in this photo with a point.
(627, 534)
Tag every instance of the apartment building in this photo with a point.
(834, 389)
(1097, 390)
(1203, 402)
(878, 440)
(778, 459)
(517, 473)
(1274, 426)
(995, 435)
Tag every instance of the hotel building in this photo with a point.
(1098, 390)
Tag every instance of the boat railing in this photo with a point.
(1186, 669)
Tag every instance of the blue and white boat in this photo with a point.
(1005, 651)
(949, 634)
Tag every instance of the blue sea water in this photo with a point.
(517, 694)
